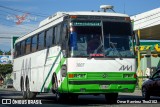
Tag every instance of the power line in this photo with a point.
(12, 23)
(2, 14)
(17, 27)
(16, 18)
(7, 12)
(22, 11)
(2, 37)
(14, 15)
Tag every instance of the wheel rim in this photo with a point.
(27, 90)
(22, 88)
(144, 92)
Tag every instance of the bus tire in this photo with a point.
(111, 98)
(61, 97)
(30, 95)
(54, 83)
(24, 93)
(73, 97)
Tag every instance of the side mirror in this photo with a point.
(137, 39)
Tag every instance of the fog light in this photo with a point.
(127, 75)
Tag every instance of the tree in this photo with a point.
(1, 52)
(8, 53)
(5, 69)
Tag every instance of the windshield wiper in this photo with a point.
(113, 45)
(100, 46)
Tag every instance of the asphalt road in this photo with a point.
(48, 99)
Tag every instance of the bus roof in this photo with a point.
(85, 13)
(58, 17)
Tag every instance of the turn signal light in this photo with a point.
(70, 75)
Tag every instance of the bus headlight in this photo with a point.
(79, 75)
(127, 75)
(64, 71)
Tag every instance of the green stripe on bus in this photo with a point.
(51, 57)
(51, 69)
(56, 71)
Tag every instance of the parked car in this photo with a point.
(8, 83)
(151, 87)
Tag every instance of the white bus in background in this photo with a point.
(74, 53)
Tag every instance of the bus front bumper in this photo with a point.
(101, 86)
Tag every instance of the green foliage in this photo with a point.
(6, 52)
(5, 69)
(1, 52)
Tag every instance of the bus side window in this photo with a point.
(49, 37)
(41, 39)
(57, 34)
(23, 48)
(28, 45)
(53, 39)
(34, 43)
(17, 50)
(64, 36)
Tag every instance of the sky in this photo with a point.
(37, 10)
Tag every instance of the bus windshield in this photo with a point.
(112, 39)
(117, 39)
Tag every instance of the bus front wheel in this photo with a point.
(61, 97)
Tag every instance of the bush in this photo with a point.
(5, 69)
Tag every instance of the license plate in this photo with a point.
(104, 86)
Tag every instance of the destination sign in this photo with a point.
(86, 23)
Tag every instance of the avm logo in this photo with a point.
(125, 67)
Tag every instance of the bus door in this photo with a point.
(64, 47)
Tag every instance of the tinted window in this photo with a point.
(22, 47)
(17, 50)
(34, 43)
(57, 34)
(117, 28)
(41, 41)
(28, 45)
(64, 34)
(49, 37)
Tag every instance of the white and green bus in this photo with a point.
(75, 53)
